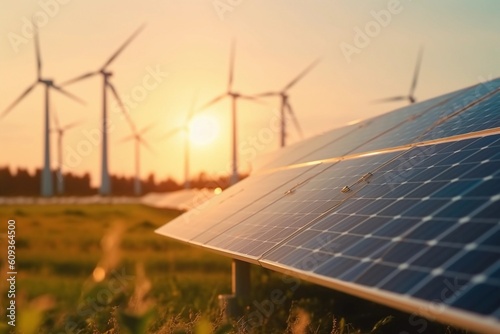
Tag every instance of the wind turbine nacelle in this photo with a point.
(107, 74)
(48, 82)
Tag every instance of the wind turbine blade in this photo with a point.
(146, 144)
(71, 125)
(124, 45)
(37, 53)
(417, 71)
(16, 101)
(56, 119)
(301, 75)
(231, 66)
(252, 98)
(170, 133)
(192, 109)
(265, 94)
(213, 101)
(146, 129)
(391, 99)
(126, 139)
(122, 107)
(78, 78)
(295, 120)
(68, 94)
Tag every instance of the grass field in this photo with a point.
(102, 269)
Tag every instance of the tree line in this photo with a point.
(21, 182)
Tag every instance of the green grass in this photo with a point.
(58, 248)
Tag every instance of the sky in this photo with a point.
(368, 50)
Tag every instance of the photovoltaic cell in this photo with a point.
(482, 298)
(420, 221)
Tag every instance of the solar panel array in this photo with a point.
(403, 209)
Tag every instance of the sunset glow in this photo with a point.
(203, 130)
(185, 46)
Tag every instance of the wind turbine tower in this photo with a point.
(61, 130)
(184, 129)
(139, 140)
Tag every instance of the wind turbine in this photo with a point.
(105, 188)
(234, 96)
(137, 136)
(60, 130)
(46, 179)
(410, 97)
(184, 128)
(285, 104)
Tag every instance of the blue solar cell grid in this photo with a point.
(482, 116)
(430, 215)
(209, 220)
(416, 126)
(253, 233)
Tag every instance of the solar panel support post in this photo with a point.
(240, 279)
(232, 304)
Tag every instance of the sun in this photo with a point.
(203, 130)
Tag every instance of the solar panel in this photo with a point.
(293, 153)
(389, 221)
(414, 127)
(482, 116)
(403, 210)
(253, 233)
(205, 222)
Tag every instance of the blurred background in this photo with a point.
(368, 51)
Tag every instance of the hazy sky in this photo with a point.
(368, 51)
